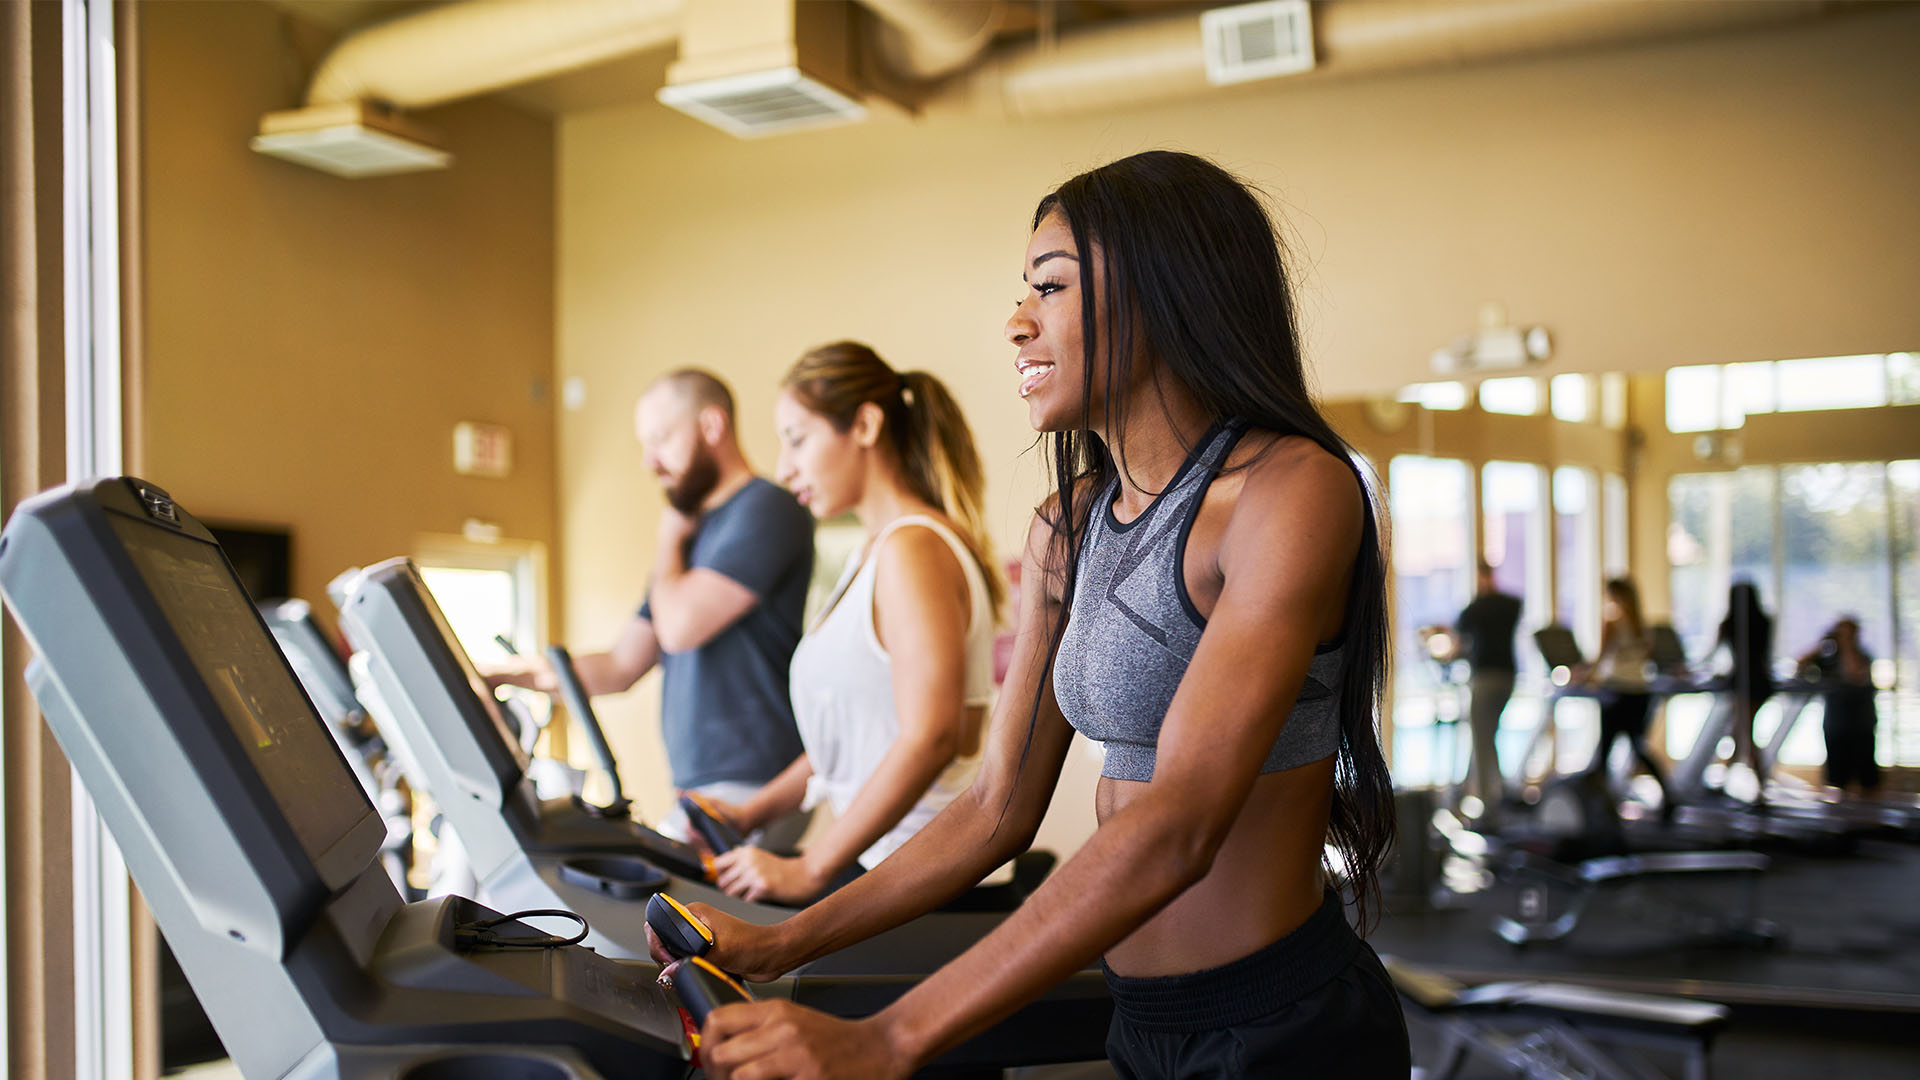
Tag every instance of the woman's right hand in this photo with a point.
(753, 952)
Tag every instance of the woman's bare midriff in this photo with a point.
(1265, 881)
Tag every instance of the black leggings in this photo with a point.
(1316, 1003)
(1623, 714)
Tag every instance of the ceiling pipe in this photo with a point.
(1161, 58)
(923, 40)
(446, 53)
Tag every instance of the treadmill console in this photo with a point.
(252, 841)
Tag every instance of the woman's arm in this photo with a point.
(1609, 641)
(776, 798)
(992, 821)
(921, 607)
(921, 610)
(1285, 556)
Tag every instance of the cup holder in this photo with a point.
(623, 877)
(507, 1066)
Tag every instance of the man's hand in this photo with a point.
(771, 1040)
(531, 672)
(676, 529)
(755, 874)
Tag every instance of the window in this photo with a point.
(1821, 541)
(1518, 396)
(102, 903)
(1707, 398)
(1719, 530)
(1840, 382)
(1693, 394)
(1512, 497)
(1576, 534)
(1745, 389)
(1903, 378)
(1430, 501)
(1900, 740)
(1613, 489)
(1442, 396)
(1571, 397)
(1833, 536)
(487, 589)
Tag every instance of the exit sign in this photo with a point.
(482, 449)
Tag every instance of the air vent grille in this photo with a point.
(351, 139)
(763, 102)
(1257, 41)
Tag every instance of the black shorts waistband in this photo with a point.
(1242, 990)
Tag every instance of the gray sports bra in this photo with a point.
(1132, 630)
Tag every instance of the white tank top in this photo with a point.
(842, 687)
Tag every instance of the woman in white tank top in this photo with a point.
(891, 684)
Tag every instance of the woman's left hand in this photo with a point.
(778, 1040)
(755, 874)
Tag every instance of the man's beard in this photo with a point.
(697, 481)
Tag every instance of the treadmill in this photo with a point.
(256, 847)
(323, 675)
(528, 853)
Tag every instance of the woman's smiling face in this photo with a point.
(1046, 328)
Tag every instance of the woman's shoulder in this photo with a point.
(1297, 471)
(920, 544)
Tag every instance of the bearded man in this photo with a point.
(723, 612)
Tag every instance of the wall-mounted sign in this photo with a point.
(482, 449)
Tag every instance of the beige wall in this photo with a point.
(311, 341)
(1743, 197)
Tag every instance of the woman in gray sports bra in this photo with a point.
(1204, 595)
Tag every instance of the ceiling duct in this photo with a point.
(447, 53)
(762, 67)
(921, 40)
(1164, 57)
(443, 54)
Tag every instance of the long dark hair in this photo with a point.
(1192, 272)
(1627, 596)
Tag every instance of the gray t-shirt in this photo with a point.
(724, 711)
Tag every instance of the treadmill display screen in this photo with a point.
(218, 626)
(318, 667)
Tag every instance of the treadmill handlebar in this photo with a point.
(680, 932)
(575, 695)
(703, 988)
(713, 827)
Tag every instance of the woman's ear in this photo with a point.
(868, 421)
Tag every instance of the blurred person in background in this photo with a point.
(1845, 673)
(1485, 629)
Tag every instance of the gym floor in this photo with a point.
(1837, 994)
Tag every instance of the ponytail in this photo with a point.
(926, 428)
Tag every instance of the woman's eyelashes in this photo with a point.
(1044, 288)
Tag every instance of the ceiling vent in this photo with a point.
(763, 102)
(351, 139)
(761, 67)
(1257, 41)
